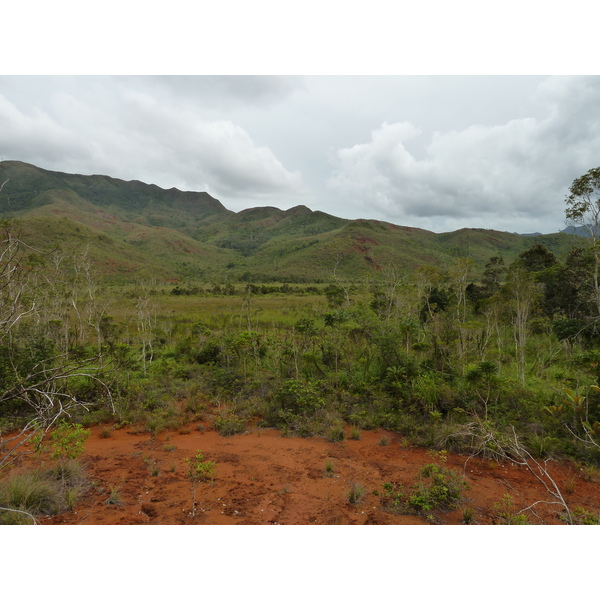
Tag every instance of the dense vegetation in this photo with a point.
(454, 358)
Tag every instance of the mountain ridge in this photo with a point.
(174, 234)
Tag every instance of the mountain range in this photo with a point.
(131, 229)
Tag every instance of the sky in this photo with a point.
(436, 152)
(418, 121)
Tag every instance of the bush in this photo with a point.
(505, 513)
(580, 516)
(437, 488)
(299, 397)
(68, 440)
(228, 425)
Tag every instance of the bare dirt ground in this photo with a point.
(265, 478)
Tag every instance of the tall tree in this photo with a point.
(522, 293)
(583, 209)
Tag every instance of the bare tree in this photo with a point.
(34, 376)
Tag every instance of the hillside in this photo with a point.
(133, 229)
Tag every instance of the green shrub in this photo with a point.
(437, 488)
(114, 499)
(200, 469)
(228, 425)
(394, 498)
(68, 440)
(468, 516)
(581, 516)
(505, 513)
(299, 397)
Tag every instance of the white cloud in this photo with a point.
(433, 152)
(128, 133)
(491, 175)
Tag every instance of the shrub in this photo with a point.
(199, 470)
(68, 440)
(228, 425)
(505, 513)
(299, 397)
(580, 516)
(437, 488)
(105, 433)
(394, 498)
(467, 516)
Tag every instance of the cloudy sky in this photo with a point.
(437, 152)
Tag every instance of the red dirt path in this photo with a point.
(264, 478)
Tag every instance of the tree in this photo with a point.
(537, 258)
(35, 373)
(522, 293)
(495, 270)
(583, 209)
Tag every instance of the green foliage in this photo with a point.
(468, 516)
(505, 513)
(68, 440)
(200, 469)
(355, 434)
(583, 202)
(537, 258)
(299, 396)
(437, 488)
(32, 492)
(228, 425)
(581, 516)
(114, 498)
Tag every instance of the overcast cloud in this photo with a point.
(440, 153)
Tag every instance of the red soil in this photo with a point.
(264, 478)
